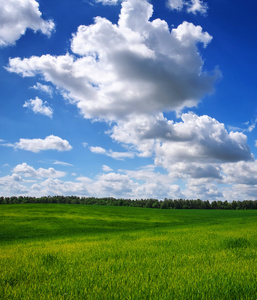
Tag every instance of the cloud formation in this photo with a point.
(230, 181)
(27, 171)
(16, 16)
(107, 2)
(62, 163)
(242, 172)
(123, 184)
(39, 107)
(192, 6)
(130, 74)
(12, 185)
(107, 168)
(51, 142)
(194, 139)
(113, 154)
(43, 88)
(137, 66)
(202, 139)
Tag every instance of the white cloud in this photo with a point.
(189, 170)
(107, 2)
(195, 139)
(143, 183)
(152, 184)
(202, 139)
(39, 107)
(105, 185)
(234, 184)
(98, 150)
(248, 126)
(51, 142)
(43, 88)
(62, 163)
(175, 4)
(16, 16)
(192, 6)
(141, 132)
(241, 191)
(188, 33)
(135, 67)
(27, 171)
(251, 127)
(197, 6)
(130, 73)
(14, 178)
(53, 186)
(120, 155)
(243, 172)
(107, 168)
(113, 154)
(12, 185)
(114, 184)
(204, 190)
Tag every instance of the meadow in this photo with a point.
(58, 251)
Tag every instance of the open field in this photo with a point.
(58, 251)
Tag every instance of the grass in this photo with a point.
(55, 251)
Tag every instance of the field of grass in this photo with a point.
(58, 251)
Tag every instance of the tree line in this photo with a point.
(146, 203)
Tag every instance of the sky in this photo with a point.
(128, 99)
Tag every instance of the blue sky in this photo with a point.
(131, 99)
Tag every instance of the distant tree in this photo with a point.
(156, 204)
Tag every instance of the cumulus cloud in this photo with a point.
(113, 154)
(130, 73)
(53, 186)
(137, 66)
(191, 170)
(115, 184)
(141, 132)
(144, 182)
(39, 107)
(107, 168)
(51, 142)
(111, 184)
(43, 88)
(243, 172)
(199, 139)
(241, 191)
(175, 4)
(204, 190)
(27, 171)
(98, 150)
(154, 184)
(202, 139)
(16, 16)
(192, 6)
(12, 185)
(197, 6)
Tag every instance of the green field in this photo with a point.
(58, 251)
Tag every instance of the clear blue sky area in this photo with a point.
(130, 99)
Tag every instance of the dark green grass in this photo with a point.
(56, 251)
